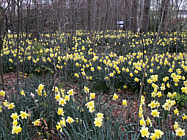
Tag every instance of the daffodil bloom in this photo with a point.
(165, 78)
(60, 111)
(63, 90)
(37, 122)
(176, 125)
(154, 78)
(91, 109)
(29, 58)
(170, 95)
(153, 136)
(111, 75)
(149, 81)
(124, 86)
(148, 121)
(99, 68)
(168, 104)
(140, 114)
(67, 97)
(159, 94)
(184, 90)
(86, 89)
(5, 103)
(57, 97)
(136, 79)
(131, 74)
(142, 100)
(71, 92)
(56, 89)
(2, 93)
(16, 129)
(15, 122)
(92, 69)
(69, 120)
(98, 122)
(124, 102)
(90, 104)
(153, 94)
(92, 96)
(155, 113)
(115, 97)
(158, 133)
(62, 101)
(100, 115)
(14, 116)
(23, 115)
(76, 75)
(63, 122)
(154, 104)
(180, 132)
(40, 88)
(184, 117)
(11, 106)
(58, 126)
(22, 92)
(142, 122)
(144, 132)
(176, 112)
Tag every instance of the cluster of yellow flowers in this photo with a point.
(99, 119)
(62, 99)
(8, 105)
(155, 113)
(16, 128)
(165, 73)
(179, 131)
(144, 129)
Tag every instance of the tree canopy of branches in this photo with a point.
(68, 15)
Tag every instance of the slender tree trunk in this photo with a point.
(1, 63)
(134, 15)
(89, 15)
(163, 13)
(145, 20)
(139, 15)
(2, 31)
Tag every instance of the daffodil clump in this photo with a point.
(16, 128)
(147, 125)
(62, 100)
(65, 112)
(105, 61)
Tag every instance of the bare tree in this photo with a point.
(3, 31)
(2, 28)
(134, 15)
(145, 20)
(164, 14)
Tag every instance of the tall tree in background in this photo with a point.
(134, 8)
(164, 14)
(89, 14)
(2, 29)
(145, 16)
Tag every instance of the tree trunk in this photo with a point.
(145, 20)
(2, 31)
(134, 15)
(89, 15)
(163, 14)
